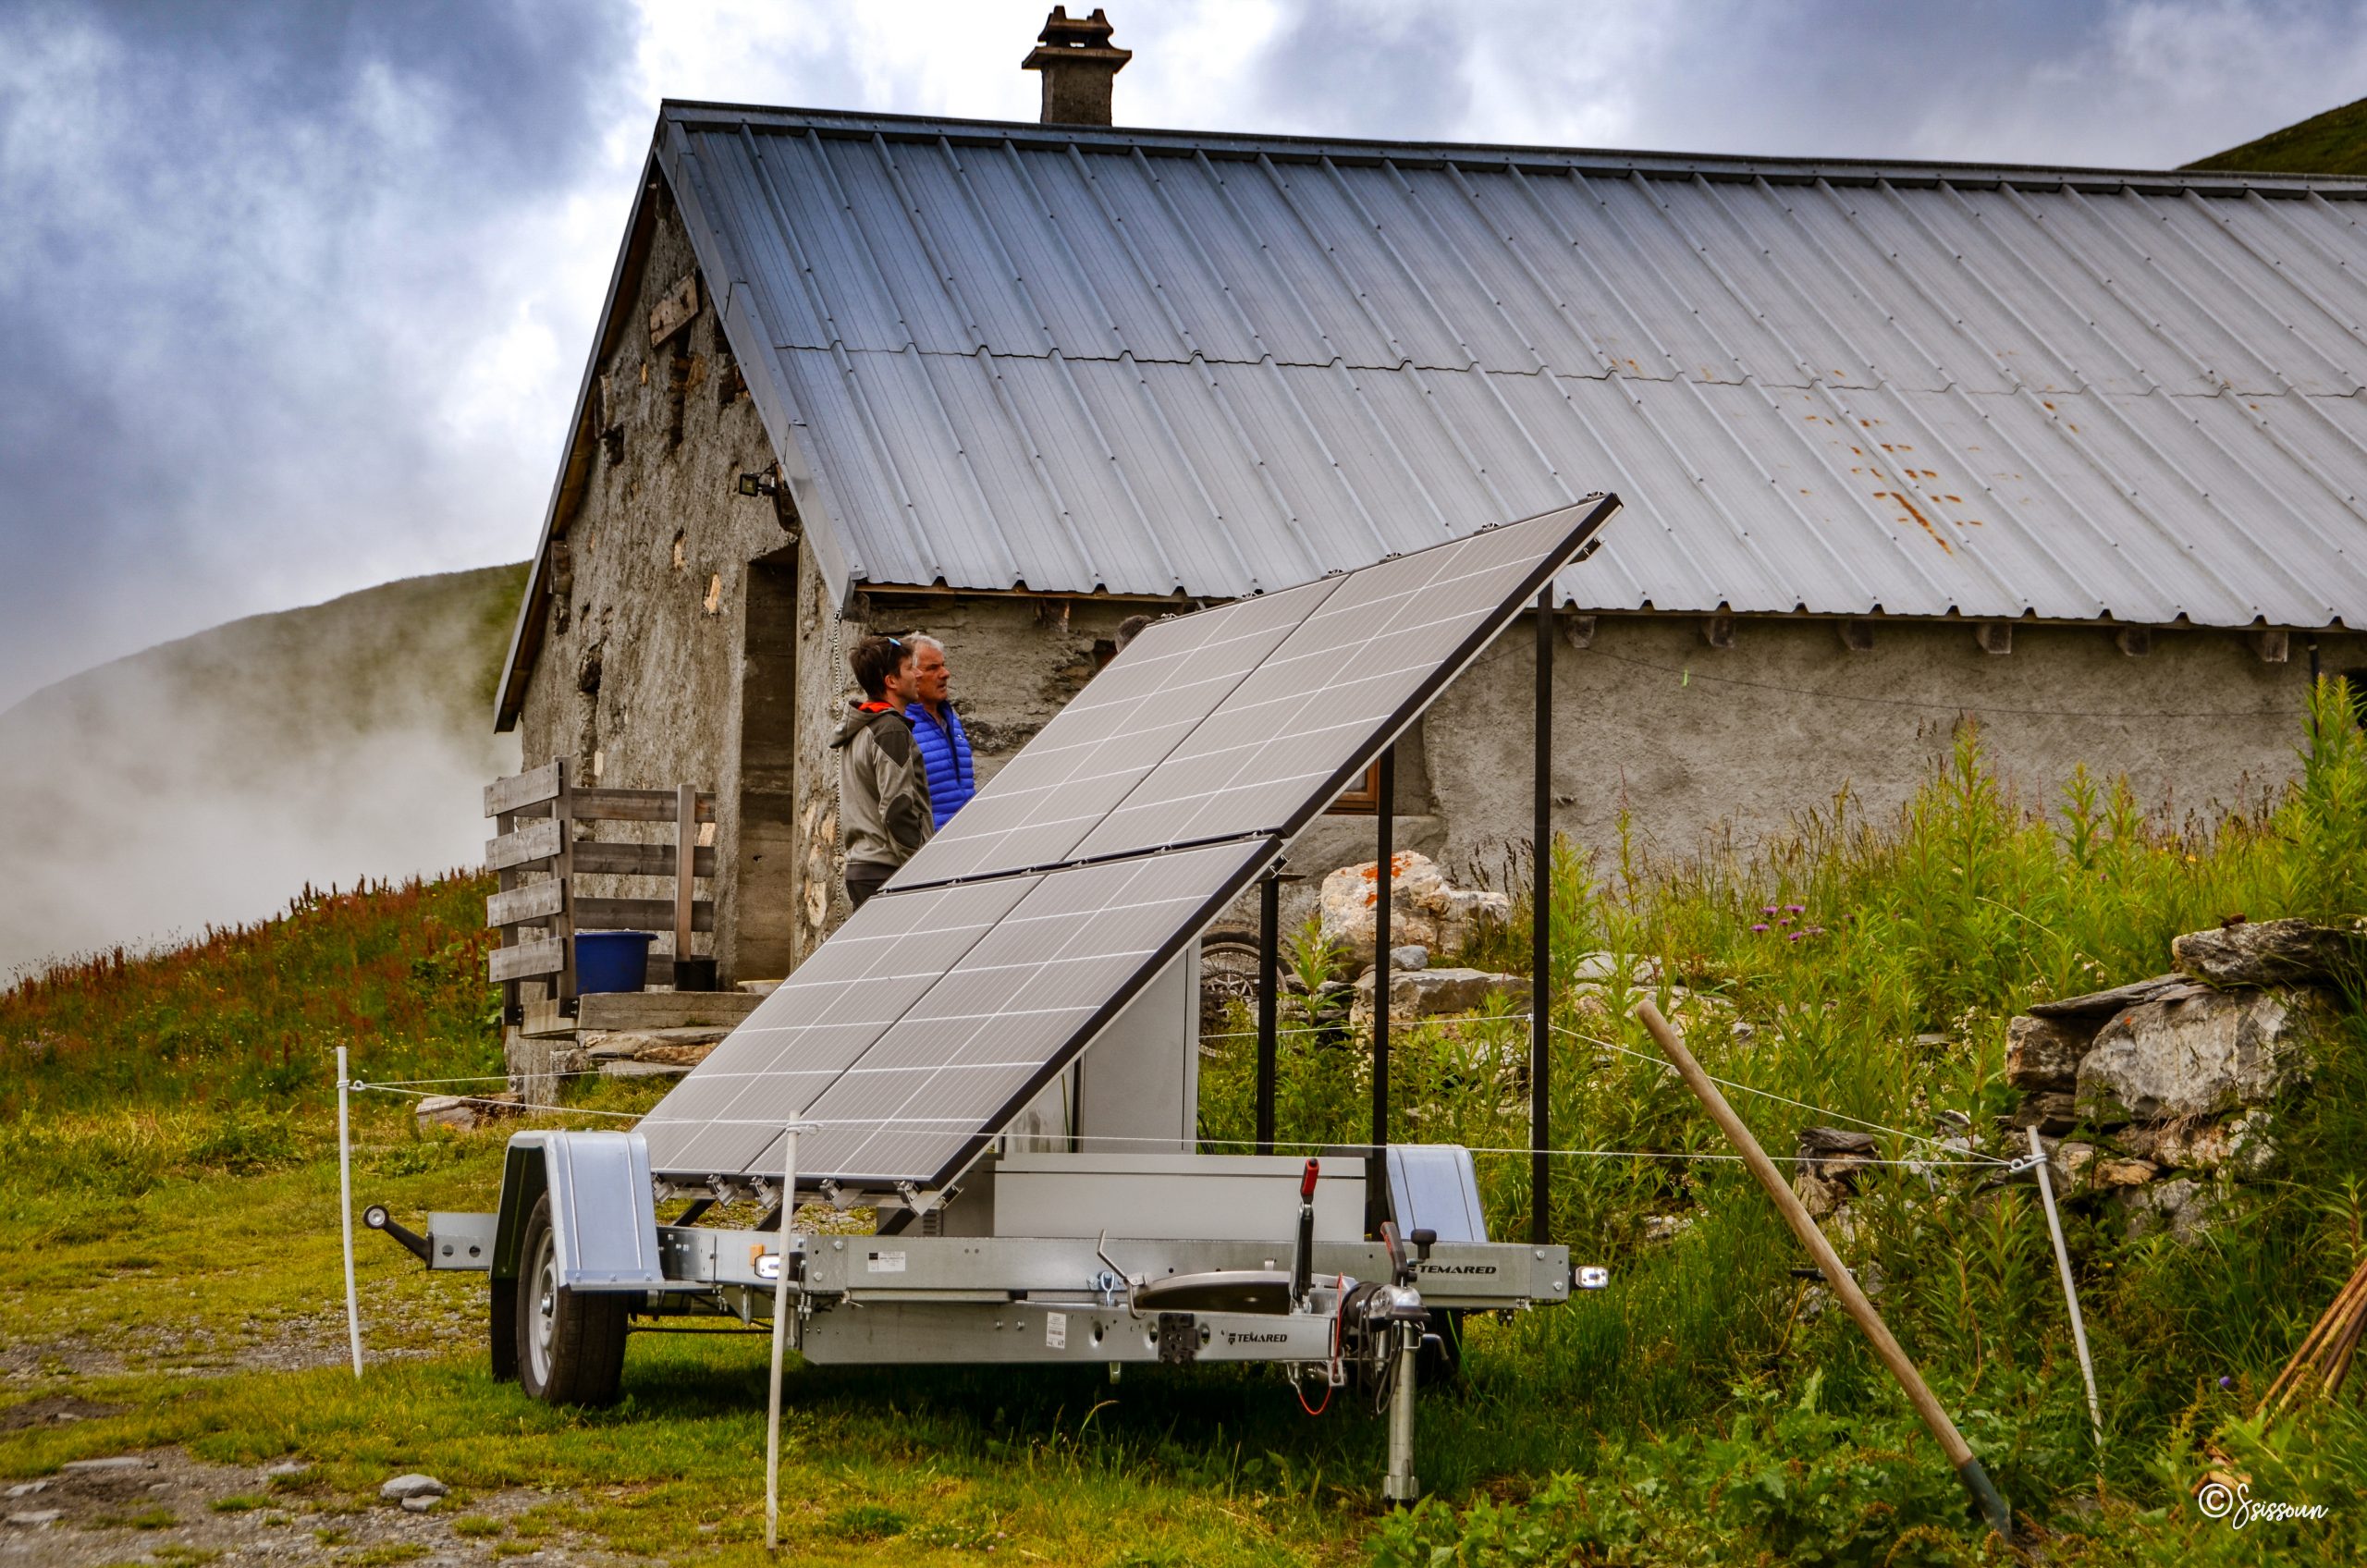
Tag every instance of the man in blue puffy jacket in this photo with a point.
(945, 745)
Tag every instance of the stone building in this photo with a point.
(2081, 453)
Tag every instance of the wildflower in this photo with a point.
(1814, 931)
(1793, 937)
(1795, 909)
(1770, 909)
(1761, 927)
(2227, 1382)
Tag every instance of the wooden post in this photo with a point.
(563, 924)
(1853, 1300)
(508, 877)
(686, 854)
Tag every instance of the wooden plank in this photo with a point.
(636, 805)
(675, 311)
(527, 789)
(637, 860)
(639, 915)
(536, 955)
(663, 1010)
(536, 841)
(536, 900)
(546, 1019)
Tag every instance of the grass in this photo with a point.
(1698, 1411)
(2333, 142)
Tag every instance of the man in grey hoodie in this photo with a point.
(883, 783)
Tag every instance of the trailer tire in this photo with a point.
(570, 1344)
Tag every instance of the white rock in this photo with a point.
(2196, 1055)
(290, 1468)
(121, 1464)
(1423, 907)
(446, 1110)
(35, 1518)
(403, 1487)
(1428, 993)
(27, 1488)
(1603, 965)
(418, 1505)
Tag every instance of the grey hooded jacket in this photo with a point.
(883, 788)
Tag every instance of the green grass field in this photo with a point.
(168, 1220)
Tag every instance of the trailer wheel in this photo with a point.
(571, 1345)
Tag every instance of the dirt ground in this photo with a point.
(165, 1508)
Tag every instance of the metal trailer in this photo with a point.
(1072, 1219)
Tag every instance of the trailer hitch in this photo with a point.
(377, 1218)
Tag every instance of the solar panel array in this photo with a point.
(1087, 863)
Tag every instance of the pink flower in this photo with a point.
(1761, 927)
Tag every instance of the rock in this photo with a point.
(1410, 957)
(1600, 966)
(2044, 1053)
(2271, 952)
(1667, 1227)
(35, 1518)
(2124, 1172)
(123, 1464)
(2241, 1143)
(287, 1469)
(2070, 1165)
(1422, 907)
(648, 1045)
(418, 1505)
(1826, 1176)
(2052, 1113)
(405, 1487)
(642, 1068)
(27, 1488)
(2196, 1056)
(463, 1113)
(759, 987)
(1428, 993)
(2183, 1204)
(2103, 1004)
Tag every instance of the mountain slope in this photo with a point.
(2333, 142)
(206, 780)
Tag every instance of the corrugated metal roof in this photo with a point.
(1074, 360)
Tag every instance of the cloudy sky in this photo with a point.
(294, 296)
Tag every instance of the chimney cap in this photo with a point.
(1077, 61)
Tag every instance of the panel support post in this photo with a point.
(345, 1210)
(780, 1334)
(1540, 935)
(1376, 1162)
(1841, 1282)
(1269, 942)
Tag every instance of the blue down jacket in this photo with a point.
(945, 749)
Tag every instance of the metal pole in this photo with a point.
(2070, 1294)
(345, 1210)
(1376, 1162)
(780, 1337)
(1853, 1300)
(1269, 938)
(1540, 936)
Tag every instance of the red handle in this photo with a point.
(1307, 1183)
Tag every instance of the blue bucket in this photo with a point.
(611, 960)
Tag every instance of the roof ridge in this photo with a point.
(1778, 167)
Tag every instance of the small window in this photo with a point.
(1362, 798)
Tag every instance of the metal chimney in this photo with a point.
(1077, 62)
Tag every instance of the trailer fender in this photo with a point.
(603, 1210)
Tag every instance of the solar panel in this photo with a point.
(1251, 717)
(1122, 725)
(1082, 868)
(954, 1009)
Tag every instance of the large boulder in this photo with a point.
(2267, 952)
(1423, 907)
(1430, 993)
(2196, 1055)
(2042, 1054)
(2100, 1005)
(2241, 1143)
